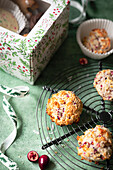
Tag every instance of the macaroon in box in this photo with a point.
(26, 57)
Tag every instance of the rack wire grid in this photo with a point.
(60, 141)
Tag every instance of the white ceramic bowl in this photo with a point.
(14, 9)
(86, 27)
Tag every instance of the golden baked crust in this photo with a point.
(97, 41)
(64, 108)
(103, 83)
(96, 144)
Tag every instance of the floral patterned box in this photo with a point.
(26, 57)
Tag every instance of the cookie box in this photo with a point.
(26, 57)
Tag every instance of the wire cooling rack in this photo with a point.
(61, 142)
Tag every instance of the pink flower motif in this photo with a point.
(28, 40)
(35, 40)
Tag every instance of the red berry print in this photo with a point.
(8, 48)
(18, 66)
(83, 61)
(68, 2)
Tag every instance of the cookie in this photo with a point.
(64, 108)
(96, 144)
(8, 21)
(97, 41)
(103, 83)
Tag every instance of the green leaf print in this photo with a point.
(8, 45)
(55, 1)
(16, 40)
(12, 166)
(14, 54)
(15, 94)
(51, 15)
(59, 6)
(4, 88)
(3, 159)
(10, 109)
(15, 122)
(14, 63)
(5, 56)
(4, 43)
(24, 63)
(64, 2)
(22, 48)
(9, 91)
(13, 116)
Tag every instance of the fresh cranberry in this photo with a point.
(83, 61)
(43, 161)
(32, 156)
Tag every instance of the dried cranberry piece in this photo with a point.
(58, 117)
(111, 72)
(83, 61)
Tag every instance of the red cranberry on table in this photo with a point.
(43, 161)
(83, 61)
(32, 156)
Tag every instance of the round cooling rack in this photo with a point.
(60, 142)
